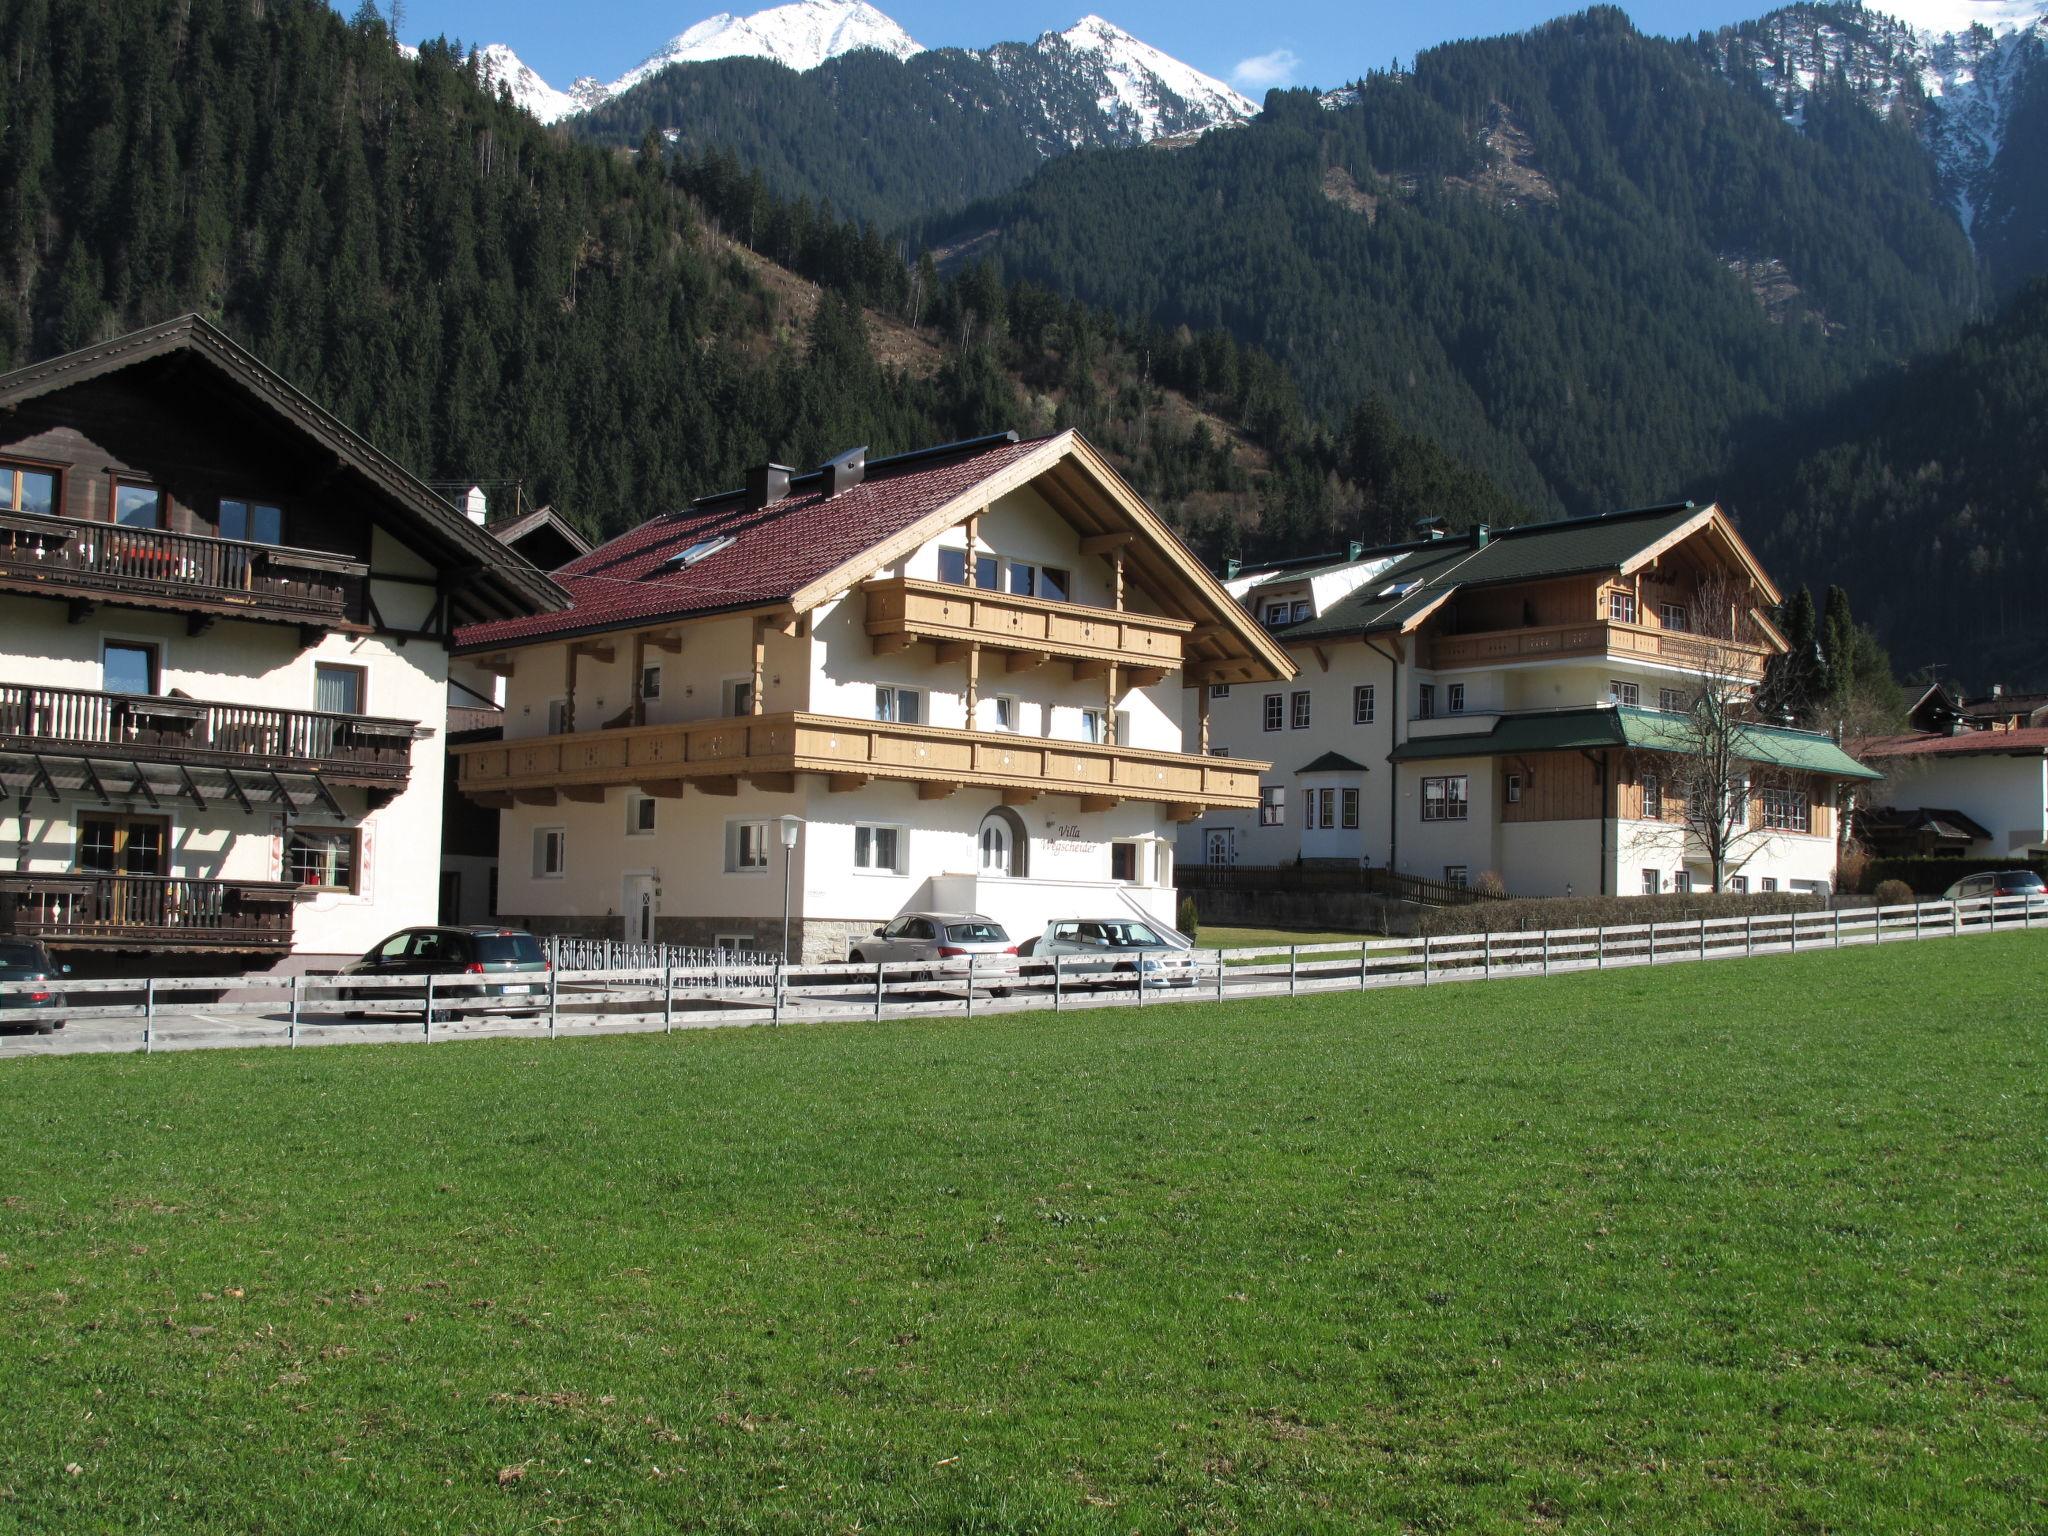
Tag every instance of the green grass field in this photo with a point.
(1221, 937)
(1744, 1247)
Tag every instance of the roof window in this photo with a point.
(1400, 588)
(701, 550)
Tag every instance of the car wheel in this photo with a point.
(856, 958)
(46, 1026)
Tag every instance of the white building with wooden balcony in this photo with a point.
(972, 673)
(1516, 701)
(223, 671)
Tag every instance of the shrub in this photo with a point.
(1534, 912)
(1490, 883)
(1187, 918)
(1892, 893)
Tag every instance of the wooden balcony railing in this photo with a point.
(771, 749)
(902, 611)
(146, 728)
(1596, 638)
(147, 911)
(71, 557)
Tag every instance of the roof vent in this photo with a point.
(1430, 527)
(1354, 550)
(475, 505)
(1480, 535)
(845, 471)
(767, 484)
(1231, 567)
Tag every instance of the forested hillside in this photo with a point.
(1578, 258)
(1926, 493)
(487, 300)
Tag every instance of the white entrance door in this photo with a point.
(995, 847)
(639, 909)
(1220, 847)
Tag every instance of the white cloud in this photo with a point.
(1263, 71)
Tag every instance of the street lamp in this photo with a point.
(791, 825)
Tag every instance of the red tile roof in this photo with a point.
(776, 550)
(2025, 742)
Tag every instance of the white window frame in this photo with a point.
(999, 704)
(650, 670)
(729, 696)
(1672, 701)
(1219, 751)
(1219, 690)
(1298, 710)
(1451, 807)
(1681, 882)
(1458, 876)
(1137, 855)
(1272, 805)
(1673, 617)
(1739, 884)
(872, 870)
(1738, 802)
(1273, 712)
(1454, 699)
(733, 943)
(1299, 614)
(1770, 882)
(1788, 810)
(1653, 795)
(543, 839)
(1425, 701)
(1621, 607)
(1093, 722)
(1276, 615)
(1653, 882)
(1349, 801)
(735, 842)
(635, 799)
(1364, 704)
(1513, 792)
(889, 699)
(1623, 692)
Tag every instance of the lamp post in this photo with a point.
(791, 826)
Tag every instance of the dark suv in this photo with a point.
(465, 952)
(25, 960)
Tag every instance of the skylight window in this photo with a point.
(1400, 588)
(701, 550)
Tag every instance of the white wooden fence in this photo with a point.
(185, 1013)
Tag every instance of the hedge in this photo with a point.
(1532, 913)
(1930, 876)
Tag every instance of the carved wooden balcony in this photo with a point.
(1029, 630)
(1597, 638)
(151, 912)
(769, 751)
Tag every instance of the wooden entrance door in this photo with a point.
(127, 845)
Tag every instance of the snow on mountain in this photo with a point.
(1943, 18)
(1139, 91)
(801, 36)
(1134, 74)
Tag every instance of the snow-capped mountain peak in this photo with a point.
(801, 35)
(1135, 72)
(1937, 19)
(499, 65)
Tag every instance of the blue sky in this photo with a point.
(1277, 42)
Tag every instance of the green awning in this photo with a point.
(1646, 730)
(1799, 751)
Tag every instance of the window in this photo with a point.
(953, 566)
(1624, 693)
(1055, 583)
(1300, 612)
(1362, 704)
(1446, 798)
(27, 490)
(1621, 607)
(1272, 805)
(1123, 861)
(338, 690)
(127, 668)
(1738, 804)
(1091, 725)
(988, 573)
(1004, 708)
(1322, 809)
(1653, 882)
(1770, 882)
(639, 815)
(1219, 690)
(1122, 721)
(1653, 797)
(558, 714)
(1514, 789)
(650, 681)
(550, 852)
(905, 706)
(1219, 751)
(739, 696)
(877, 850)
(746, 846)
(138, 506)
(1787, 810)
(1739, 884)
(252, 522)
(1298, 710)
(1454, 698)
(703, 549)
(1673, 701)
(1350, 810)
(1276, 615)
(1681, 883)
(1458, 876)
(1023, 579)
(1673, 616)
(1425, 702)
(1276, 711)
(122, 845)
(1399, 588)
(322, 859)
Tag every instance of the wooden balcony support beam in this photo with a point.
(663, 789)
(773, 783)
(722, 784)
(596, 650)
(1104, 543)
(534, 796)
(670, 640)
(494, 800)
(1145, 677)
(932, 789)
(1093, 667)
(92, 777)
(1026, 661)
(1020, 796)
(1100, 802)
(890, 645)
(583, 794)
(1182, 814)
(950, 651)
(842, 783)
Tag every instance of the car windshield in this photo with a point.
(1122, 935)
(18, 958)
(976, 933)
(496, 948)
(2019, 880)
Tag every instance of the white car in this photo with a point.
(946, 942)
(1123, 945)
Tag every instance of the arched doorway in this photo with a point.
(1003, 846)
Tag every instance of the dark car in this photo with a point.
(2004, 883)
(509, 953)
(24, 960)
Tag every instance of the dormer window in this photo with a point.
(703, 549)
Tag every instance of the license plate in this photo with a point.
(518, 987)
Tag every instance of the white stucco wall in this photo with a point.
(2007, 796)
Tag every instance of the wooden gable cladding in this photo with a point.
(1631, 768)
(1554, 786)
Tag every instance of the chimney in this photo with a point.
(1354, 550)
(1231, 567)
(1998, 690)
(1432, 527)
(1480, 535)
(475, 505)
(845, 471)
(767, 484)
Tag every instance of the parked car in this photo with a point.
(1124, 945)
(2005, 882)
(946, 941)
(482, 951)
(26, 960)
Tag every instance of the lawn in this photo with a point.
(1217, 936)
(1749, 1246)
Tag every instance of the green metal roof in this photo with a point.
(1648, 730)
(1531, 552)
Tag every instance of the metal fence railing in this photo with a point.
(700, 966)
(183, 1012)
